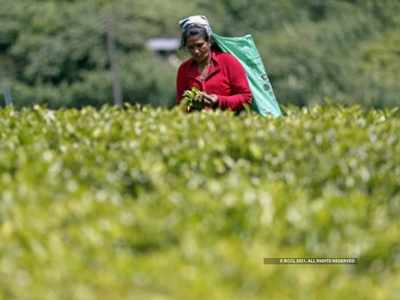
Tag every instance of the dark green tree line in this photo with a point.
(54, 52)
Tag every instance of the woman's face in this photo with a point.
(199, 48)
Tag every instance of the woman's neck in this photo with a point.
(204, 63)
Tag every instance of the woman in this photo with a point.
(219, 76)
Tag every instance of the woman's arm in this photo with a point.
(241, 93)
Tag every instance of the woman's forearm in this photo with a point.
(234, 102)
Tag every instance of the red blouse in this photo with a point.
(226, 78)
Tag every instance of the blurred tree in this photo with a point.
(54, 52)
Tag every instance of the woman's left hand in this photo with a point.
(210, 100)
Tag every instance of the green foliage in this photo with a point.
(140, 203)
(60, 56)
(190, 102)
(381, 58)
(54, 52)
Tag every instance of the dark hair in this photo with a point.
(195, 30)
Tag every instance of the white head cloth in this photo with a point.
(196, 20)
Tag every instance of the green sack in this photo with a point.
(244, 49)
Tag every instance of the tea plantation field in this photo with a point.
(155, 204)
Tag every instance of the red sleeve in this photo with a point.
(241, 92)
(180, 84)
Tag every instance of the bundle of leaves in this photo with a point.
(191, 102)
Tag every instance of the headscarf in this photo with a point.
(196, 20)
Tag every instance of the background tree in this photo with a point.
(54, 52)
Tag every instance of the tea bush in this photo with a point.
(144, 203)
